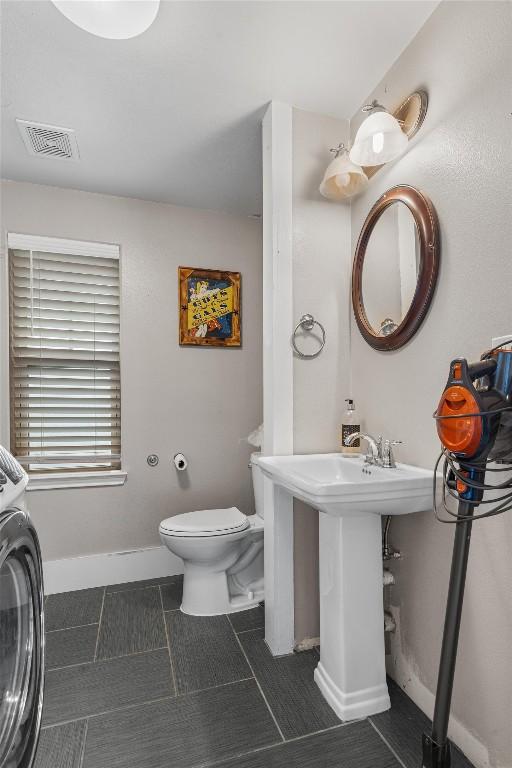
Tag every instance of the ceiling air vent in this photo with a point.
(49, 140)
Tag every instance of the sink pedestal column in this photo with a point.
(351, 673)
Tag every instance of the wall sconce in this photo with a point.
(343, 178)
(119, 20)
(384, 136)
(379, 139)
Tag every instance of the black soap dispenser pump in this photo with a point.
(351, 424)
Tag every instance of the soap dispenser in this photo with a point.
(351, 424)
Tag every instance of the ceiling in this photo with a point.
(174, 114)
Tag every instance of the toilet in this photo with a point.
(222, 552)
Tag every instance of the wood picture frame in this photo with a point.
(209, 307)
(427, 225)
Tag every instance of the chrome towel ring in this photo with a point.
(307, 323)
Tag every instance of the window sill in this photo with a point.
(76, 480)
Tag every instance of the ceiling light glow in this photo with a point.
(112, 19)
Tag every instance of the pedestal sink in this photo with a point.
(351, 496)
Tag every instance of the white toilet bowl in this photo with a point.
(222, 552)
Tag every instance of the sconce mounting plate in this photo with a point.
(411, 112)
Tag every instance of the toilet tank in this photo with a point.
(257, 483)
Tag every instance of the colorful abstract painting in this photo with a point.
(209, 307)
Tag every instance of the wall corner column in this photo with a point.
(278, 370)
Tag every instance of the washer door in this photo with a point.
(21, 640)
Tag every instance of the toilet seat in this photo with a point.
(205, 522)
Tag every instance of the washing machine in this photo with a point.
(21, 621)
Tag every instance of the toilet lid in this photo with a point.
(206, 522)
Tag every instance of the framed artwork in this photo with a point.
(209, 307)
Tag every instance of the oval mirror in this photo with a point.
(395, 267)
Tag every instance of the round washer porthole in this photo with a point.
(21, 641)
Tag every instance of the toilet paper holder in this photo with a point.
(180, 462)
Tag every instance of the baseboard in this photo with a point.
(466, 741)
(72, 573)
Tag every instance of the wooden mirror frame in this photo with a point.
(427, 226)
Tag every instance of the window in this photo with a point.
(65, 391)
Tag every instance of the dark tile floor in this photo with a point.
(131, 682)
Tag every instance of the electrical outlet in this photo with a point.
(500, 339)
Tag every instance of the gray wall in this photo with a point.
(200, 401)
(321, 279)
(462, 159)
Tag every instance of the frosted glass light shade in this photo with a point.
(378, 140)
(114, 19)
(342, 179)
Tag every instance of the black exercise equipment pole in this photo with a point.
(436, 747)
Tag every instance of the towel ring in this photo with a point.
(307, 323)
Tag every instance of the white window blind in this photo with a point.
(64, 358)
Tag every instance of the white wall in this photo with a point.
(201, 401)
(321, 281)
(461, 158)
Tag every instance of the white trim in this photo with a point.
(68, 247)
(277, 280)
(476, 752)
(62, 245)
(405, 676)
(279, 576)
(52, 482)
(5, 415)
(278, 370)
(72, 573)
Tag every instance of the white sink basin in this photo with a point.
(342, 486)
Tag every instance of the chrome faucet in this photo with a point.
(380, 453)
(372, 457)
